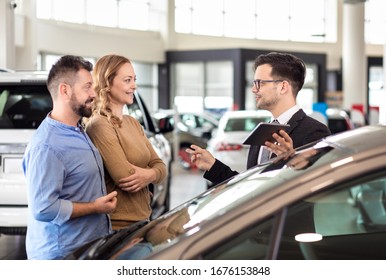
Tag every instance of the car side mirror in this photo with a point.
(206, 135)
(164, 125)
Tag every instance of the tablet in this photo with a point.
(263, 132)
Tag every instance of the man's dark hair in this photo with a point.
(285, 66)
(65, 70)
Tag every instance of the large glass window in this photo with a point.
(138, 20)
(147, 83)
(205, 12)
(202, 85)
(270, 27)
(102, 12)
(219, 86)
(217, 17)
(377, 97)
(375, 21)
(129, 14)
(308, 95)
(187, 84)
(315, 28)
(46, 60)
(254, 19)
(245, 15)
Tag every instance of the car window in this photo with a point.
(23, 106)
(135, 111)
(196, 121)
(243, 124)
(350, 220)
(189, 120)
(337, 125)
(171, 121)
(203, 122)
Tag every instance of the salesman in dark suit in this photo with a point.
(278, 79)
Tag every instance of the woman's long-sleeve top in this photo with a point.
(118, 147)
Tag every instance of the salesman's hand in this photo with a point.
(203, 159)
(283, 144)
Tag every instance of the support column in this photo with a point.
(353, 54)
(7, 34)
(382, 106)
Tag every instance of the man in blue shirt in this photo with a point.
(68, 204)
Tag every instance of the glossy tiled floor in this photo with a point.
(185, 185)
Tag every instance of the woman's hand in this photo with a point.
(139, 179)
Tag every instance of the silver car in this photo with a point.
(326, 201)
(24, 103)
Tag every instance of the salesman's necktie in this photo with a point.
(265, 153)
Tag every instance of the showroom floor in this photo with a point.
(185, 185)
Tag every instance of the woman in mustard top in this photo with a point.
(130, 162)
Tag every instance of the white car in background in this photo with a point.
(234, 126)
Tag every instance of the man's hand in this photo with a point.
(201, 157)
(106, 204)
(283, 144)
(102, 205)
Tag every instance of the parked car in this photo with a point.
(336, 119)
(5, 70)
(192, 128)
(24, 103)
(226, 143)
(326, 201)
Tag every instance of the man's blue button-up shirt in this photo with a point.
(61, 166)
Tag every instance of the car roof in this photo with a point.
(243, 114)
(336, 113)
(6, 70)
(170, 112)
(246, 113)
(23, 76)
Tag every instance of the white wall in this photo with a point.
(97, 41)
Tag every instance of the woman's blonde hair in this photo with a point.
(105, 70)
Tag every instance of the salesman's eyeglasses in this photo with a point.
(257, 83)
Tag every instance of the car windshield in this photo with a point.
(23, 106)
(187, 219)
(244, 124)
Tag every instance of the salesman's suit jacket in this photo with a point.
(303, 130)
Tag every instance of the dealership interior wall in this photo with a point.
(24, 37)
